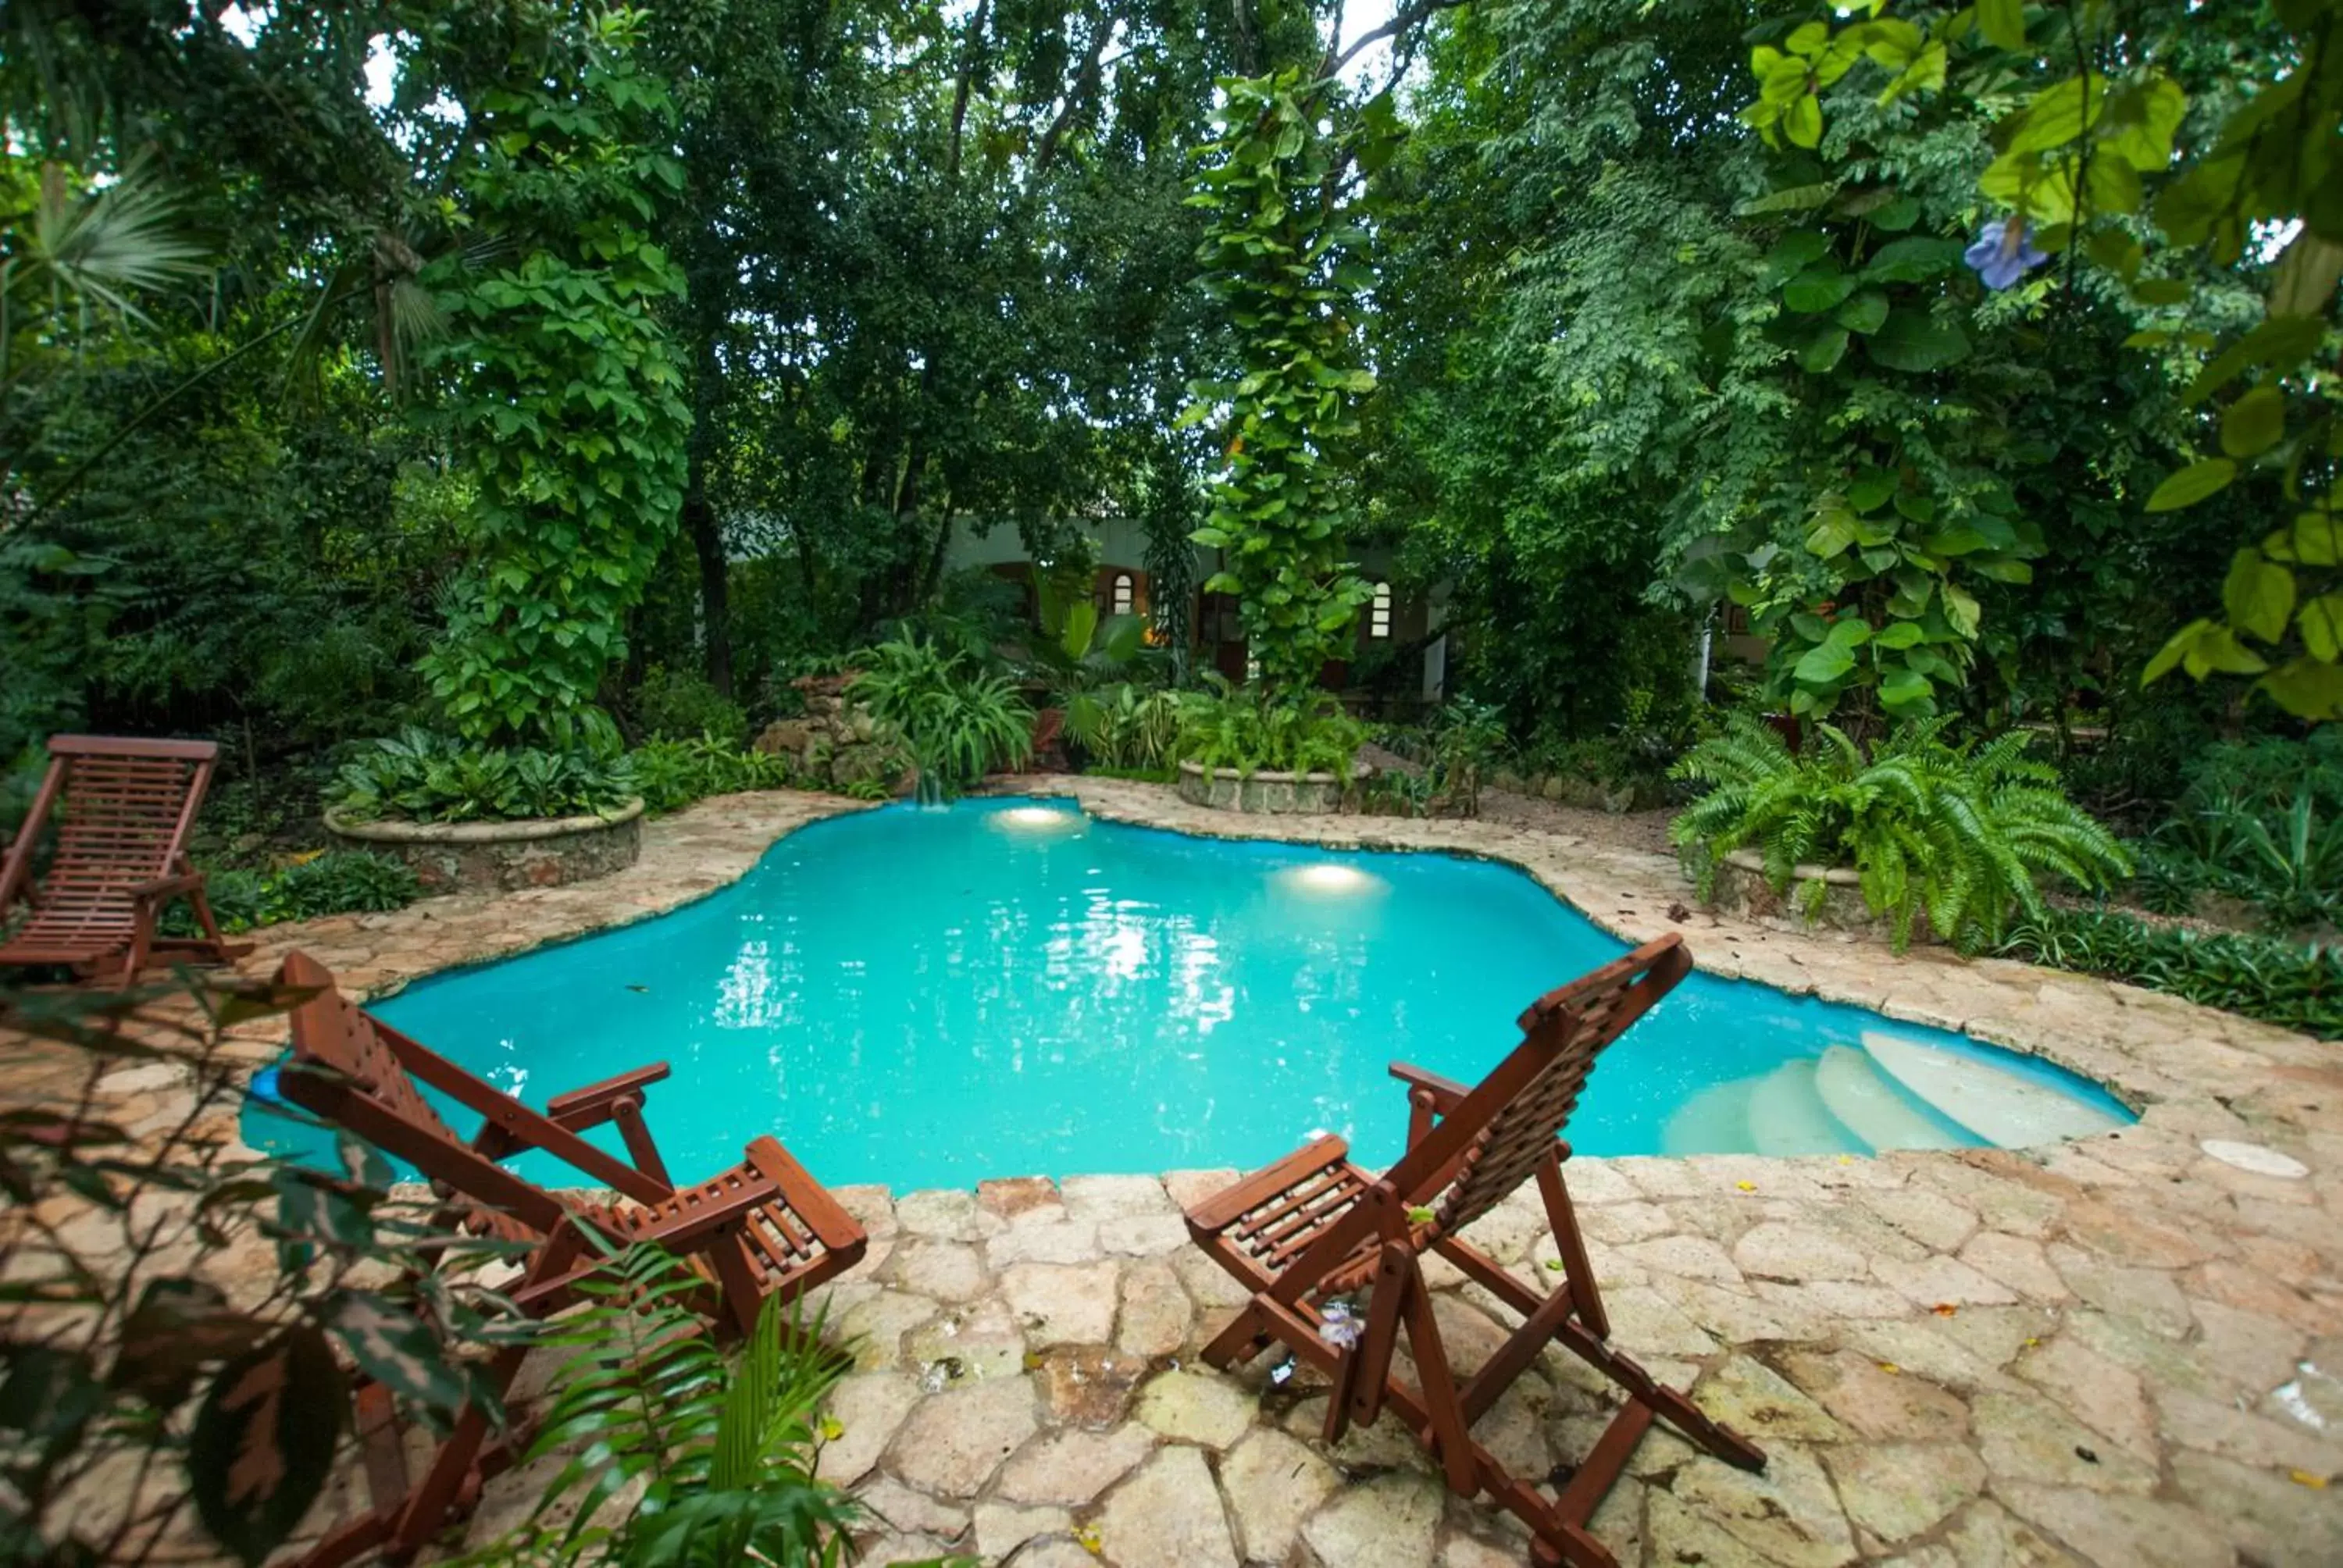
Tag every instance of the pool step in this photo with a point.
(1872, 1107)
(2001, 1107)
(1714, 1121)
(1787, 1116)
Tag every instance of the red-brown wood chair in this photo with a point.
(1314, 1227)
(763, 1227)
(125, 808)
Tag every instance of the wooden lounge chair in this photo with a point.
(127, 806)
(763, 1227)
(1313, 1227)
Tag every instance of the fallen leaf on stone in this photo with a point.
(1746, 1186)
(2305, 1478)
(1889, 1367)
(1944, 1309)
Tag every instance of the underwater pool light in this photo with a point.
(1038, 820)
(1330, 878)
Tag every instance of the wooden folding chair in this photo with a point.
(128, 807)
(1314, 1227)
(763, 1227)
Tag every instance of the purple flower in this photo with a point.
(2004, 253)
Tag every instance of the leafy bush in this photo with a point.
(724, 1449)
(1951, 831)
(671, 774)
(678, 705)
(421, 776)
(2290, 984)
(1125, 727)
(2260, 821)
(959, 724)
(1249, 729)
(336, 883)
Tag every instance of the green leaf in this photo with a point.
(2002, 23)
(1822, 665)
(1831, 534)
(1864, 313)
(2192, 484)
(2321, 621)
(2307, 687)
(1816, 289)
(263, 1442)
(1896, 217)
(1824, 351)
(1914, 259)
(2258, 595)
(2060, 113)
(1804, 123)
(1912, 340)
(2160, 291)
(2278, 344)
(2254, 423)
(1904, 687)
(1961, 609)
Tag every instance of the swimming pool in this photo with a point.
(926, 998)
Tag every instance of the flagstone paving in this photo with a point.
(2120, 1351)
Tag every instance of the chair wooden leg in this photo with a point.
(1578, 1272)
(1245, 1337)
(1696, 1424)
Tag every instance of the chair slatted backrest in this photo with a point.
(1571, 1026)
(332, 1032)
(124, 808)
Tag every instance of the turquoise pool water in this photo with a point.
(926, 998)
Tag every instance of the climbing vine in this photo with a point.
(567, 397)
(1281, 259)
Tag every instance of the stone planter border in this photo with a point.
(1267, 793)
(1742, 887)
(504, 857)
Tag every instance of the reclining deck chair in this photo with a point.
(128, 806)
(761, 1228)
(1314, 1227)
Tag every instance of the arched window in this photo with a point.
(1123, 600)
(1379, 610)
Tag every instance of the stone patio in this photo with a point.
(2122, 1351)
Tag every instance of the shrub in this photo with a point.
(1125, 727)
(1954, 832)
(421, 776)
(678, 705)
(2260, 821)
(1249, 730)
(336, 883)
(958, 723)
(2290, 984)
(671, 774)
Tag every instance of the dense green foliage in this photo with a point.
(1279, 260)
(957, 723)
(566, 394)
(671, 774)
(1954, 832)
(337, 883)
(1251, 729)
(2261, 823)
(419, 776)
(2281, 982)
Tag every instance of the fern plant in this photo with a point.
(1957, 832)
(724, 1449)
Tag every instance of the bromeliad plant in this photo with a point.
(2291, 984)
(1956, 833)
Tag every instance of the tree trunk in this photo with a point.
(715, 585)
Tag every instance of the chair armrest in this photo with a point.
(166, 886)
(596, 1103)
(1446, 1092)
